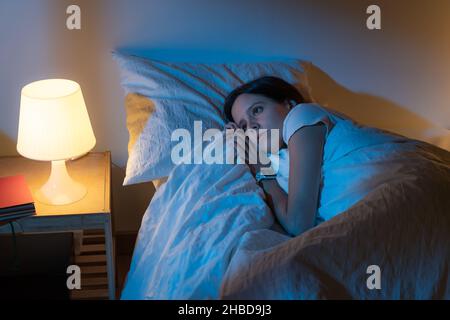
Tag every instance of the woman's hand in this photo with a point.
(231, 125)
(254, 167)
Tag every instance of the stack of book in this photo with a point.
(15, 199)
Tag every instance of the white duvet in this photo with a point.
(190, 229)
(207, 234)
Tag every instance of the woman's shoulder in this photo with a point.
(306, 114)
(311, 111)
(313, 108)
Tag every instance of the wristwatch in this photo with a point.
(259, 177)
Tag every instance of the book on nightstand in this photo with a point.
(16, 200)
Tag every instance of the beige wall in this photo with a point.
(397, 78)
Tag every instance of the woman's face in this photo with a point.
(259, 112)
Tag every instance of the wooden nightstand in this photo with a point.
(91, 212)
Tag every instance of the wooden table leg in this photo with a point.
(110, 259)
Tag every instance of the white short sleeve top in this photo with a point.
(305, 114)
(354, 156)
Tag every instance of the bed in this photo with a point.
(209, 234)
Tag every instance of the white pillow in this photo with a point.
(164, 96)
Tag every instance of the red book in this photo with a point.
(14, 192)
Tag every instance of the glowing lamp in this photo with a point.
(54, 126)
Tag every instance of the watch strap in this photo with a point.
(259, 177)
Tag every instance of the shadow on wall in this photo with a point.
(7, 145)
(373, 111)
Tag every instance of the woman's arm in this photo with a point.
(296, 212)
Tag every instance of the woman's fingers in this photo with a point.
(231, 125)
(245, 147)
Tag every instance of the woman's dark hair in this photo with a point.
(271, 87)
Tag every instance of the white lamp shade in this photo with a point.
(53, 122)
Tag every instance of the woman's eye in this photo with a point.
(257, 110)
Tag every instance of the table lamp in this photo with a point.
(54, 126)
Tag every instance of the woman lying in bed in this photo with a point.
(316, 139)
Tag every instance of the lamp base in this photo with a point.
(60, 188)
